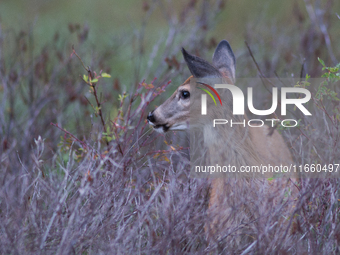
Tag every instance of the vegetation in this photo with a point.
(82, 172)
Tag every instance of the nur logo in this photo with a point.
(238, 99)
(204, 97)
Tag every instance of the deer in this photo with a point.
(231, 199)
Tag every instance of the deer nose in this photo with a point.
(150, 117)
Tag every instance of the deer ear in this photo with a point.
(198, 67)
(224, 60)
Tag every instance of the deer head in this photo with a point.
(173, 114)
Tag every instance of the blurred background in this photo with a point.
(290, 27)
(134, 41)
(43, 94)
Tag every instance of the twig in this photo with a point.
(316, 18)
(75, 138)
(302, 67)
(98, 103)
(258, 68)
(75, 53)
(93, 85)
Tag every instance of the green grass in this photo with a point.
(110, 18)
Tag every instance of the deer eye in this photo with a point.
(185, 94)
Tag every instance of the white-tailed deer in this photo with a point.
(235, 203)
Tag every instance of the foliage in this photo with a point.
(81, 172)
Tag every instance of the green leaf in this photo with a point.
(122, 97)
(94, 80)
(106, 75)
(85, 78)
(321, 61)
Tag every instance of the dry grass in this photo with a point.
(122, 189)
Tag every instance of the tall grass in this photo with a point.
(81, 172)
